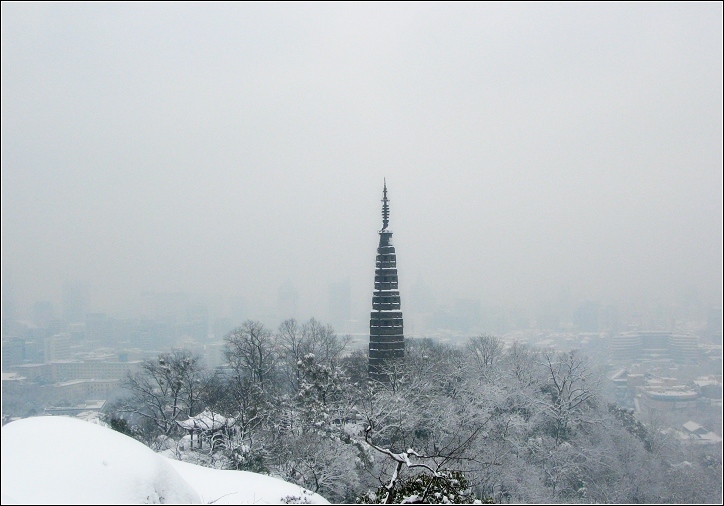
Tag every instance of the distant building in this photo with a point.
(287, 301)
(84, 388)
(387, 341)
(88, 406)
(74, 302)
(57, 347)
(33, 372)
(585, 317)
(709, 387)
(655, 346)
(43, 313)
(66, 370)
(13, 352)
(694, 433)
(90, 369)
(662, 396)
(99, 328)
(196, 324)
(714, 324)
(340, 304)
(421, 299)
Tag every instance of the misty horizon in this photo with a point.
(534, 155)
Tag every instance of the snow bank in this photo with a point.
(63, 460)
(242, 487)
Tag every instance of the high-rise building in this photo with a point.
(43, 313)
(57, 347)
(74, 301)
(340, 305)
(387, 341)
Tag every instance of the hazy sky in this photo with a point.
(223, 150)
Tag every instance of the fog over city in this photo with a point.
(362, 253)
(533, 153)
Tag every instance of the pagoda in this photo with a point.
(387, 341)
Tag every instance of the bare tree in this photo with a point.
(323, 342)
(166, 389)
(524, 363)
(485, 350)
(292, 349)
(250, 352)
(572, 387)
(297, 341)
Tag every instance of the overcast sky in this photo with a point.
(223, 150)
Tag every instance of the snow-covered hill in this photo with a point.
(62, 460)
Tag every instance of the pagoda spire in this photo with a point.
(387, 339)
(385, 207)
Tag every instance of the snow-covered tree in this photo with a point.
(450, 424)
(296, 341)
(569, 392)
(165, 390)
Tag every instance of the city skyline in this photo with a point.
(225, 151)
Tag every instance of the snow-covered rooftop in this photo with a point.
(692, 426)
(206, 420)
(12, 376)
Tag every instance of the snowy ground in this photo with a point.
(62, 460)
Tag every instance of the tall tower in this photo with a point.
(387, 341)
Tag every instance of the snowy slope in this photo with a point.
(242, 487)
(62, 460)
